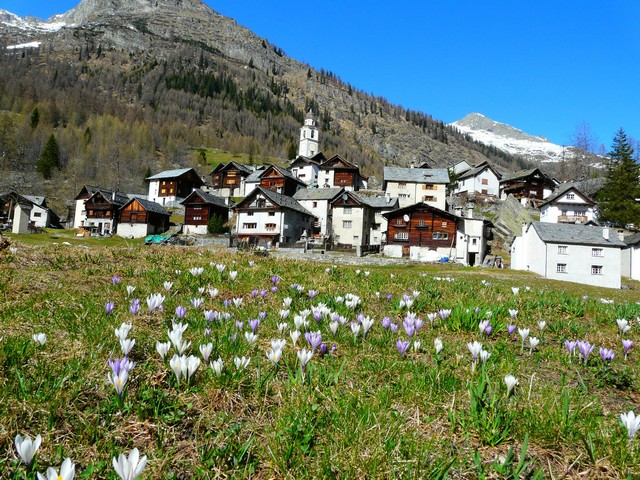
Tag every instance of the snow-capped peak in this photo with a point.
(9, 19)
(510, 139)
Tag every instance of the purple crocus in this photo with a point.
(402, 346)
(409, 327)
(627, 345)
(275, 279)
(317, 315)
(115, 280)
(181, 311)
(393, 327)
(135, 306)
(444, 314)
(386, 322)
(314, 339)
(254, 293)
(262, 315)
(227, 302)
(239, 324)
(570, 345)
(585, 349)
(263, 293)
(606, 355)
(324, 349)
(253, 324)
(274, 289)
(511, 329)
(389, 297)
(108, 307)
(312, 294)
(210, 315)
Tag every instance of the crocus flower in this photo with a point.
(154, 301)
(196, 271)
(135, 306)
(295, 335)
(484, 356)
(119, 374)
(393, 327)
(510, 381)
(541, 325)
(40, 338)
(312, 294)
(241, 362)
(233, 275)
(402, 346)
(180, 311)
(585, 349)
(437, 343)
(511, 329)
(515, 290)
(432, 317)
(178, 364)
(126, 344)
(108, 307)
(253, 324)
(191, 365)
(355, 329)
(533, 343)
(213, 292)
(67, 472)
(314, 339)
(167, 285)
(623, 325)
(250, 337)
(627, 345)
(123, 330)
(386, 322)
(513, 313)
(416, 345)
(409, 327)
(217, 366)
(205, 351)
(570, 345)
(197, 302)
(606, 355)
(475, 348)
(237, 302)
(129, 468)
(483, 325)
(220, 267)
(366, 323)
(27, 448)
(631, 422)
(115, 280)
(524, 333)
(275, 279)
(444, 313)
(274, 355)
(163, 349)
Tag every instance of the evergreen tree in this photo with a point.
(216, 225)
(35, 117)
(49, 158)
(617, 201)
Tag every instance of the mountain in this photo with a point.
(512, 140)
(128, 86)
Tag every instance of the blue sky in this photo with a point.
(543, 66)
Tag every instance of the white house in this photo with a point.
(471, 239)
(631, 257)
(318, 202)
(413, 185)
(270, 217)
(567, 205)
(482, 179)
(306, 169)
(338, 172)
(41, 215)
(572, 253)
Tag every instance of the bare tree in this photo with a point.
(585, 143)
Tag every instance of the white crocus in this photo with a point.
(251, 337)
(533, 343)
(541, 324)
(286, 303)
(355, 328)
(27, 448)
(205, 351)
(163, 349)
(130, 290)
(241, 362)
(126, 344)
(192, 365)
(274, 355)
(278, 344)
(510, 381)
(123, 330)
(367, 323)
(484, 356)
(623, 325)
(67, 472)
(40, 338)
(295, 335)
(283, 327)
(524, 333)
(178, 365)
(475, 348)
(333, 326)
(233, 275)
(129, 468)
(217, 366)
(631, 422)
(437, 343)
(304, 356)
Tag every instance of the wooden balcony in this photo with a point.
(572, 219)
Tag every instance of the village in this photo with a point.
(318, 204)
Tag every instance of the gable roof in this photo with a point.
(565, 188)
(419, 206)
(477, 170)
(318, 193)
(301, 159)
(275, 198)
(148, 205)
(633, 239)
(207, 197)
(524, 174)
(337, 162)
(37, 200)
(177, 173)
(243, 169)
(379, 202)
(416, 175)
(114, 198)
(575, 234)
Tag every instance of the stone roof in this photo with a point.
(416, 175)
(576, 234)
(473, 171)
(171, 174)
(564, 188)
(281, 200)
(149, 206)
(375, 201)
(317, 193)
(633, 239)
(207, 197)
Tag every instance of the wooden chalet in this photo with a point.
(172, 186)
(527, 184)
(103, 211)
(228, 179)
(140, 217)
(199, 208)
(421, 225)
(280, 180)
(337, 172)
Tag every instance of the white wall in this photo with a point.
(571, 207)
(413, 193)
(321, 210)
(133, 230)
(80, 216)
(20, 219)
(307, 173)
(39, 216)
(358, 234)
(474, 184)
(194, 229)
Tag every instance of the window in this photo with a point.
(401, 236)
(347, 210)
(596, 252)
(197, 208)
(195, 217)
(302, 175)
(474, 241)
(37, 214)
(485, 181)
(444, 224)
(428, 198)
(596, 269)
(440, 236)
(561, 268)
(249, 226)
(402, 186)
(399, 222)
(403, 196)
(376, 226)
(249, 214)
(272, 214)
(422, 223)
(429, 187)
(315, 204)
(346, 224)
(485, 191)
(571, 196)
(562, 249)
(270, 226)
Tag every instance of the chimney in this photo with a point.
(412, 165)
(469, 211)
(605, 233)
(387, 197)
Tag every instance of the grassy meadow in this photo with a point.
(375, 398)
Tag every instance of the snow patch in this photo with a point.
(24, 45)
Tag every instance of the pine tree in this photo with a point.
(35, 117)
(617, 201)
(49, 158)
